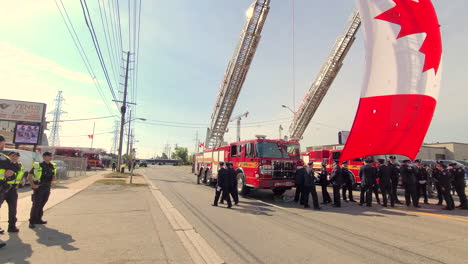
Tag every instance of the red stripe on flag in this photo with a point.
(392, 124)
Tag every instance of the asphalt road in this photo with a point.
(268, 229)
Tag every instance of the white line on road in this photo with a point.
(197, 247)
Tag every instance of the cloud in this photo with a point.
(13, 56)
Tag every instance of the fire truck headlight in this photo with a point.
(257, 176)
(266, 169)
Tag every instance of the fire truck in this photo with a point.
(260, 164)
(93, 158)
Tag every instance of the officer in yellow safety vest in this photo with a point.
(11, 196)
(7, 170)
(41, 177)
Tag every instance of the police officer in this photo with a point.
(408, 178)
(336, 180)
(299, 181)
(41, 177)
(444, 178)
(384, 174)
(395, 176)
(309, 187)
(368, 174)
(11, 196)
(459, 184)
(421, 177)
(436, 180)
(232, 176)
(323, 181)
(222, 175)
(348, 179)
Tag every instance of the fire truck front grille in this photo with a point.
(283, 170)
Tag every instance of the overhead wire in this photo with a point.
(110, 47)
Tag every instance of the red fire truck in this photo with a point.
(93, 158)
(260, 164)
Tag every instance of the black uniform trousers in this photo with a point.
(422, 191)
(325, 195)
(395, 191)
(448, 198)
(375, 190)
(440, 193)
(336, 195)
(11, 197)
(460, 189)
(39, 197)
(349, 188)
(235, 194)
(366, 195)
(298, 196)
(411, 195)
(305, 195)
(386, 191)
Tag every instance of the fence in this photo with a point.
(68, 167)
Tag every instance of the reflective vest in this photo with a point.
(19, 175)
(37, 168)
(2, 170)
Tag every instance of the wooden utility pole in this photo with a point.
(123, 110)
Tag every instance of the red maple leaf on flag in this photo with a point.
(418, 16)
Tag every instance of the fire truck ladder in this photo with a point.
(324, 79)
(236, 72)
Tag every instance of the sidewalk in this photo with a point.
(108, 222)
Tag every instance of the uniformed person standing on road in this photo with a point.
(232, 176)
(436, 180)
(222, 176)
(299, 181)
(421, 177)
(368, 174)
(349, 182)
(408, 178)
(336, 180)
(309, 187)
(458, 175)
(395, 177)
(11, 196)
(41, 177)
(384, 174)
(323, 181)
(444, 179)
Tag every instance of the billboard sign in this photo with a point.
(27, 134)
(22, 111)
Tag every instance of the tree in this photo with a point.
(182, 154)
(164, 156)
(173, 156)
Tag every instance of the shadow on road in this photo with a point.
(52, 237)
(16, 251)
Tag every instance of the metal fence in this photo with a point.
(68, 167)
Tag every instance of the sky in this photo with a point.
(184, 50)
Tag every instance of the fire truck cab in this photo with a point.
(260, 164)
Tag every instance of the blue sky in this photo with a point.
(185, 47)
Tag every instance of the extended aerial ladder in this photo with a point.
(324, 79)
(236, 73)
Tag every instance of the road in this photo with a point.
(268, 229)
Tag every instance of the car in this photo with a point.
(464, 162)
(448, 162)
(143, 164)
(430, 163)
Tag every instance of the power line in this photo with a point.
(110, 51)
(85, 119)
(98, 134)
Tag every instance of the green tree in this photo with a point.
(181, 154)
(164, 156)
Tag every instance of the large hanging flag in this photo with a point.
(402, 78)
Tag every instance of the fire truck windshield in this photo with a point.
(277, 150)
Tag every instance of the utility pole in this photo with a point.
(197, 143)
(57, 112)
(129, 132)
(115, 137)
(92, 136)
(280, 130)
(123, 110)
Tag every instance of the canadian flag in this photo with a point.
(402, 78)
(90, 136)
(201, 145)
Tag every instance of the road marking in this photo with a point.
(197, 247)
(440, 216)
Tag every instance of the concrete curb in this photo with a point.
(197, 247)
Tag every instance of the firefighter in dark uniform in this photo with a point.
(348, 179)
(309, 187)
(222, 175)
(444, 179)
(421, 177)
(11, 196)
(435, 178)
(41, 177)
(336, 180)
(408, 178)
(323, 181)
(384, 175)
(232, 176)
(395, 176)
(458, 175)
(368, 174)
(299, 181)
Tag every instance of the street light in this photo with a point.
(289, 108)
(129, 128)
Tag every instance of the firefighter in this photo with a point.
(232, 176)
(430, 181)
(336, 180)
(384, 176)
(323, 181)
(408, 178)
(421, 177)
(11, 196)
(395, 176)
(348, 179)
(458, 175)
(436, 175)
(444, 178)
(41, 177)
(309, 187)
(299, 181)
(376, 186)
(222, 175)
(368, 174)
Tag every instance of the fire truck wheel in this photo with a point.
(208, 181)
(279, 191)
(241, 188)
